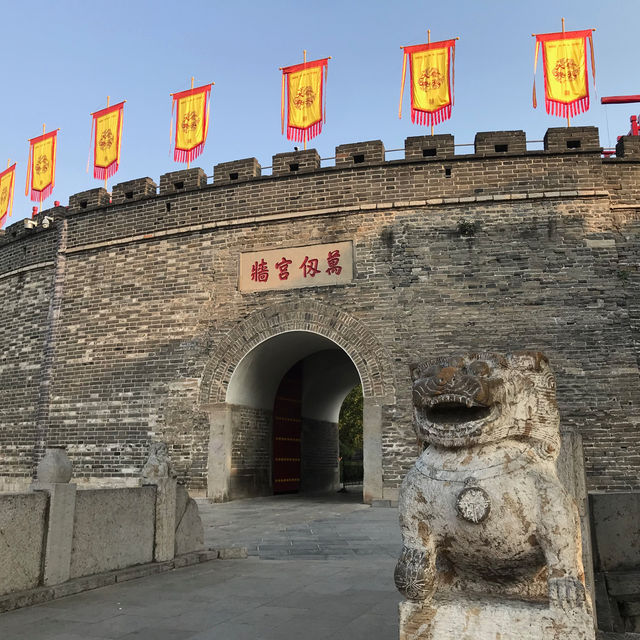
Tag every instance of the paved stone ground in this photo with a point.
(319, 568)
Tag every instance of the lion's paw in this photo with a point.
(566, 593)
(414, 574)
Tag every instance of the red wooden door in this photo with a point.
(287, 423)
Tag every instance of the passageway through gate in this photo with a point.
(335, 353)
(284, 400)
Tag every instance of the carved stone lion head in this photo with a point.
(480, 398)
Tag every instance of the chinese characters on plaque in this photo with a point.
(316, 265)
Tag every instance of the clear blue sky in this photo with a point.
(61, 60)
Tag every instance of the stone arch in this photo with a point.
(327, 322)
(347, 332)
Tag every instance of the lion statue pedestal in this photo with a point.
(491, 538)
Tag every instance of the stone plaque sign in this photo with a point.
(315, 265)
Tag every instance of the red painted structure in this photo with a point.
(287, 431)
(625, 100)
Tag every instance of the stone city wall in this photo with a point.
(116, 310)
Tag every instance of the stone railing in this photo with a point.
(55, 534)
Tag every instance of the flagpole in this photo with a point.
(568, 119)
(304, 60)
(43, 132)
(188, 152)
(10, 206)
(429, 42)
(105, 171)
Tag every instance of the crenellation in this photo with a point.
(429, 147)
(628, 147)
(91, 199)
(360, 154)
(236, 171)
(499, 143)
(284, 164)
(138, 189)
(182, 180)
(572, 139)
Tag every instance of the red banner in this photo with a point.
(107, 125)
(431, 70)
(41, 169)
(7, 184)
(566, 78)
(192, 122)
(305, 86)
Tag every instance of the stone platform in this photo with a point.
(469, 618)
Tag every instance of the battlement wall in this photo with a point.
(112, 313)
(501, 166)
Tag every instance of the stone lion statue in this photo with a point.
(158, 464)
(483, 511)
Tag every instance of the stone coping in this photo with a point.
(30, 597)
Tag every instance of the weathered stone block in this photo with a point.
(489, 618)
(62, 506)
(22, 526)
(122, 520)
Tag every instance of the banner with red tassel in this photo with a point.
(305, 86)
(432, 73)
(192, 122)
(7, 185)
(107, 125)
(41, 168)
(566, 77)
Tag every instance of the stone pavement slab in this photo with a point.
(319, 568)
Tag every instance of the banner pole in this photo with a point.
(568, 119)
(189, 153)
(105, 171)
(304, 60)
(43, 132)
(429, 42)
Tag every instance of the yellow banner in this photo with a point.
(429, 79)
(5, 192)
(305, 99)
(43, 163)
(107, 139)
(190, 121)
(565, 69)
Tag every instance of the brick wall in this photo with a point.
(26, 281)
(319, 460)
(251, 452)
(499, 251)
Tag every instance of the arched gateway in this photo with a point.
(331, 352)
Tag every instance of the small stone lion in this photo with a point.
(483, 511)
(158, 464)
